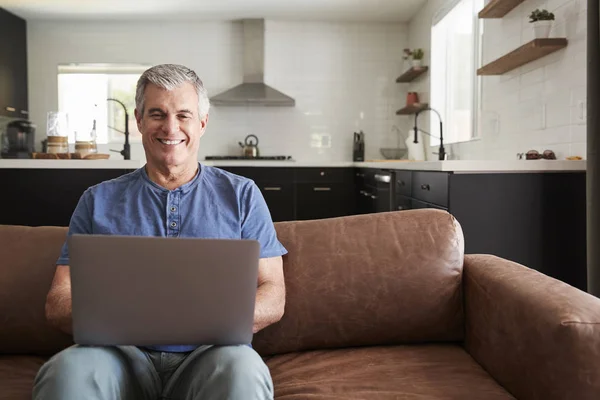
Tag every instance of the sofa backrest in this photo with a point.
(27, 264)
(386, 278)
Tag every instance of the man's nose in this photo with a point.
(171, 125)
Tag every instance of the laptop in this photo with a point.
(143, 291)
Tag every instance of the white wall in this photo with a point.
(341, 75)
(537, 106)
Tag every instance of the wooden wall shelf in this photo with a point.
(410, 110)
(530, 51)
(498, 8)
(412, 74)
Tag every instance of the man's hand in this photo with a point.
(58, 301)
(270, 295)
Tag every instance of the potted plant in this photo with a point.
(542, 23)
(417, 58)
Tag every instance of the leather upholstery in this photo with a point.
(378, 307)
(539, 337)
(389, 278)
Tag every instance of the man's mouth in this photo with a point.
(171, 142)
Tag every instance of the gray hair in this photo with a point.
(170, 76)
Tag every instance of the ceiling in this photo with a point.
(322, 10)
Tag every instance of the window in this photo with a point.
(83, 90)
(455, 86)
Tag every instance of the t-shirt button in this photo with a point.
(173, 224)
(173, 209)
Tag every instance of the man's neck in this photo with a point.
(171, 178)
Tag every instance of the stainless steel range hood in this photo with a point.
(253, 91)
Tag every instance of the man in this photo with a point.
(171, 196)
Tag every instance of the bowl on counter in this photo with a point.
(396, 153)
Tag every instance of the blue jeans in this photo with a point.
(128, 372)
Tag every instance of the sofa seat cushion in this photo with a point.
(16, 376)
(385, 372)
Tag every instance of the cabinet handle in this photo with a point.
(425, 187)
(360, 175)
(24, 112)
(366, 194)
(272, 188)
(322, 173)
(11, 109)
(373, 196)
(401, 183)
(383, 178)
(321, 189)
(400, 208)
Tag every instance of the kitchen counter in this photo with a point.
(456, 166)
(480, 166)
(70, 164)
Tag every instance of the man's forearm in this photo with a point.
(270, 304)
(58, 309)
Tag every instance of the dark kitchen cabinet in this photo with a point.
(324, 193)
(373, 191)
(280, 200)
(47, 197)
(316, 201)
(13, 66)
(535, 219)
(303, 193)
(277, 187)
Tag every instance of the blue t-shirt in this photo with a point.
(215, 204)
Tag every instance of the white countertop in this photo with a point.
(70, 164)
(457, 166)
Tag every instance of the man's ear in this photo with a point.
(203, 122)
(138, 119)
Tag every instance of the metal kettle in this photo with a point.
(249, 148)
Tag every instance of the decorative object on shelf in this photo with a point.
(415, 55)
(417, 58)
(542, 23)
(412, 98)
(535, 155)
(498, 8)
(530, 51)
(411, 74)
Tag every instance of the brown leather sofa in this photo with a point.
(382, 306)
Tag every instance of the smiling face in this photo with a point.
(171, 126)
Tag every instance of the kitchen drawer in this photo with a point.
(279, 199)
(316, 201)
(431, 187)
(263, 174)
(321, 175)
(402, 182)
(402, 203)
(416, 204)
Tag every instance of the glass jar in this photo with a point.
(57, 131)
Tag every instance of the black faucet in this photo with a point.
(442, 152)
(126, 152)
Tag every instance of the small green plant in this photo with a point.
(417, 54)
(541, 15)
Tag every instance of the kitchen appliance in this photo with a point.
(249, 148)
(18, 139)
(358, 148)
(253, 91)
(266, 158)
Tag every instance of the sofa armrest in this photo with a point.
(537, 336)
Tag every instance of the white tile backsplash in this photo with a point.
(536, 106)
(342, 76)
